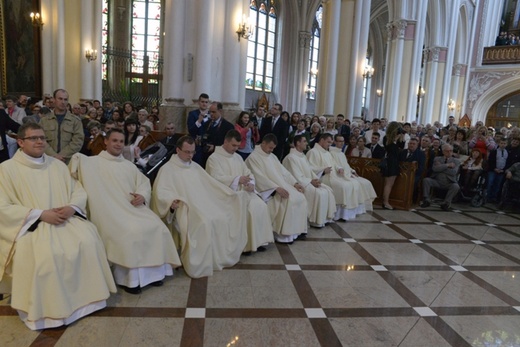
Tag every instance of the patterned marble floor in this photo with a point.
(423, 277)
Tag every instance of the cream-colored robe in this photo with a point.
(211, 218)
(228, 168)
(59, 272)
(134, 237)
(346, 191)
(320, 201)
(289, 216)
(369, 194)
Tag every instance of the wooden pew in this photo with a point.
(402, 191)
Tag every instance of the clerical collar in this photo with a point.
(39, 160)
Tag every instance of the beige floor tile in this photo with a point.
(401, 216)
(422, 334)
(400, 254)
(229, 297)
(506, 281)
(95, 331)
(426, 285)
(483, 256)
(276, 297)
(13, 333)
(153, 332)
(487, 330)
(430, 232)
(371, 231)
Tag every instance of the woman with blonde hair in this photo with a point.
(393, 142)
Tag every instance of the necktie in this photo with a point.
(408, 155)
(446, 161)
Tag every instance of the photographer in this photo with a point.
(249, 132)
(215, 131)
(393, 144)
(482, 141)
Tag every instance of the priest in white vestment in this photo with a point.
(367, 189)
(208, 218)
(348, 194)
(229, 168)
(320, 198)
(285, 200)
(51, 254)
(139, 245)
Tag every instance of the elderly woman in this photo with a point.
(142, 115)
(314, 135)
(482, 141)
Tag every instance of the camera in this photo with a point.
(400, 131)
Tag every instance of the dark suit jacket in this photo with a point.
(170, 143)
(215, 135)
(193, 130)
(513, 156)
(417, 156)
(6, 123)
(378, 152)
(280, 130)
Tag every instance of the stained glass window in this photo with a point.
(314, 55)
(261, 47)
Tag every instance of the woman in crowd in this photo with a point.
(142, 116)
(330, 128)
(249, 133)
(314, 135)
(460, 145)
(299, 130)
(351, 145)
(132, 137)
(295, 118)
(482, 141)
(128, 109)
(361, 151)
(393, 142)
(471, 171)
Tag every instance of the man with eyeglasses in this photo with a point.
(53, 258)
(208, 218)
(63, 130)
(139, 246)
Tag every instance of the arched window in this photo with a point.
(314, 55)
(261, 46)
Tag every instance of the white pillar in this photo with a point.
(393, 93)
(173, 57)
(59, 31)
(88, 69)
(204, 36)
(232, 72)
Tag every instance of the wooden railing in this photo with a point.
(402, 191)
(501, 55)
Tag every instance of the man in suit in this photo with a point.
(215, 131)
(413, 154)
(277, 126)
(259, 116)
(444, 176)
(197, 121)
(378, 151)
(170, 139)
(6, 123)
(343, 128)
(428, 153)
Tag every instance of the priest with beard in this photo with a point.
(228, 167)
(208, 218)
(320, 198)
(50, 255)
(139, 245)
(348, 194)
(284, 195)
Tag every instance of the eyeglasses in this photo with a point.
(34, 138)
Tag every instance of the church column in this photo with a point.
(460, 91)
(53, 51)
(97, 44)
(303, 73)
(204, 37)
(173, 56)
(395, 64)
(328, 61)
(88, 69)
(434, 83)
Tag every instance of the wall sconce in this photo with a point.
(314, 72)
(379, 93)
(368, 71)
(36, 20)
(451, 105)
(245, 29)
(91, 54)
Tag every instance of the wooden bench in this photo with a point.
(402, 191)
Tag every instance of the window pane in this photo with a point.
(250, 65)
(154, 11)
(268, 84)
(272, 24)
(139, 10)
(262, 21)
(250, 81)
(260, 52)
(261, 36)
(270, 54)
(270, 39)
(138, 26)
(137, 42)
(269, 69)
(251, 49)
(260, 67)
(154, 27)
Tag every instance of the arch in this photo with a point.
(492, 95)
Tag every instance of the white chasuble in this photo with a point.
(347, 192)
(320, 200)
(134, 236)
(210, 220)
(228, 168)
(59, 272)
(289, 216)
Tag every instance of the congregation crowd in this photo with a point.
(219, 192)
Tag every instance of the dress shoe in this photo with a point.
(424, 203)
(134, 290)
(387, 207)
(302, 237)
(157, 284)
(261, 249)
(247, 254)
(445, 206)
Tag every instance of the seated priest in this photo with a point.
(228, 167)
(208, 219)
(53, 257)
(321, 205)
(284, 195)
(139, 246)
(349, 197)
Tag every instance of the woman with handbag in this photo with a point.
(393, 143)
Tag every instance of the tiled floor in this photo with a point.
(390, 278)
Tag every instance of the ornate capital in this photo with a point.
(389, 31)
(457, 68)
(401, 25)
(305, 39)
(434, 53)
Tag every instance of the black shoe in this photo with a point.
(424, 204)
(261, 249)
(445, 206)
(157, 284)
(134, 290)
(302, 237)
(247, 254)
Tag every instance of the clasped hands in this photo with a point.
(57, 216)
(247, 183)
